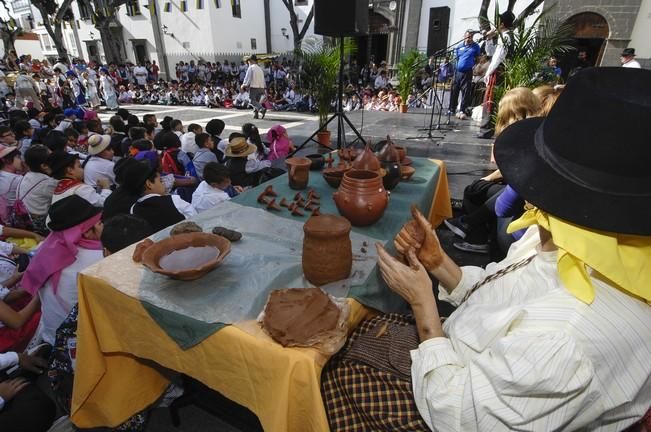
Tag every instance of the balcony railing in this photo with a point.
(20, 6)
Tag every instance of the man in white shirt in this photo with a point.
(99, 164)
(628, 59)
(61, 65)
(255, 83)
(494, 74)
(212, 190)
(140, 73)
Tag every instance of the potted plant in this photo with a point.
(408, 67)
(320, 73)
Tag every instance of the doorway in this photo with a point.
(140, 51)
(93, 52)
(591, 31)
(374, 46)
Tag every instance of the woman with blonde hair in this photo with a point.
(477, 225)
(548, 96)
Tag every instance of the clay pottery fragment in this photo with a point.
(388, 151)
(211, 250)
(316, 211)
(140, 249)
(309, 206)
(185, 227)
(406, 172)
(361, 197)
(348, 154)
(317, 161)
(393, 174)
(298, 172)
(297, 211)
(402, 152)
(298, 316)
(270, 191)
(272, 205)
(228, 234)
(311, 193)
(262, 198)
(298, 196)
(327, 250)
(283, 203)
(367, 161)
(300, 202)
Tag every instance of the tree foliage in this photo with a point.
(54, 15)
(298, 33)
(409, 65)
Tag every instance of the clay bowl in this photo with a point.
(334, 180)
(180, 246)
(406, 172)
(317, 161)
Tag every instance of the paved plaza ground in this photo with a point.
(467, 158)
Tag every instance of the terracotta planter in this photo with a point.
(327, 251)
(403, 108)
(323, 138)
(361, 197)
(205, 250)
(299, 172)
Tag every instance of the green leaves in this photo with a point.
(409, 65)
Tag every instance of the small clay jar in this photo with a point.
(327, 250)
(299, 172)
(367, 160)
(361, 197)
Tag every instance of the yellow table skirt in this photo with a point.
(117, 341)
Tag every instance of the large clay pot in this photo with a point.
(361, 197)
(327, 251)
(299, 172)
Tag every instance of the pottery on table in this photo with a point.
(406, 172)
(298, 172)
(186, 256)
(388, 151)
(367, 161)
(393, 174)
(348, 154)
(327, 250)
(361, 197)
(317, 161)
(333, 180)
(402, 152)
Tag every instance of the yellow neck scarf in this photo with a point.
(623, 261)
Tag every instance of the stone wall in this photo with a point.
(620, 17)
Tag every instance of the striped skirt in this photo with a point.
(367, 385)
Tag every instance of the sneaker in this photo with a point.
(462, 116)
(483, 249)
(457, 227)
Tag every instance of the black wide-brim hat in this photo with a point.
(589, 161)
(69, 212)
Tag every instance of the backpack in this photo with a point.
(169, 163)
(18, 216)
(61, 371)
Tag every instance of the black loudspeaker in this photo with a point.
(341, 17)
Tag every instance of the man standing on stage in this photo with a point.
(495, 73)
(254, 81)
(465, 52)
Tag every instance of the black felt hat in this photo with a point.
(59, 161)
(69, 212)
(588, 162)
(628, 52)
(134, 176)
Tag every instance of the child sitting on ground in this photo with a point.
(215, 188)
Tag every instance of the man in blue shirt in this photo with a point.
(465, 53)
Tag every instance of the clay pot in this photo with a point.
(348, 154)
(388, 151)
(327, 250)
(210, 248)
(361, 198)
(393, 174)
(402, 152)
(323, 138)
(299, 172)
(317, 161)
(407, 172)
(333, 180)
(367, 161)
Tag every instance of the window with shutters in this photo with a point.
(133, 8)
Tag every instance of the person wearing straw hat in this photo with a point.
(98, 166)
(237, 153)
(558, 335)
(628, 59)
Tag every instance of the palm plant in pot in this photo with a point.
(408, 67)
(320, 73)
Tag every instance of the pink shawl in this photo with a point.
(279, 148)
(57, 252)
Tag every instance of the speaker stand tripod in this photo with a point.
(339, 114)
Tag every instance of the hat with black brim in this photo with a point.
(588, 161)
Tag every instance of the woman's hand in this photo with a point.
(412, 282)
(428, 249)
(10, 388)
